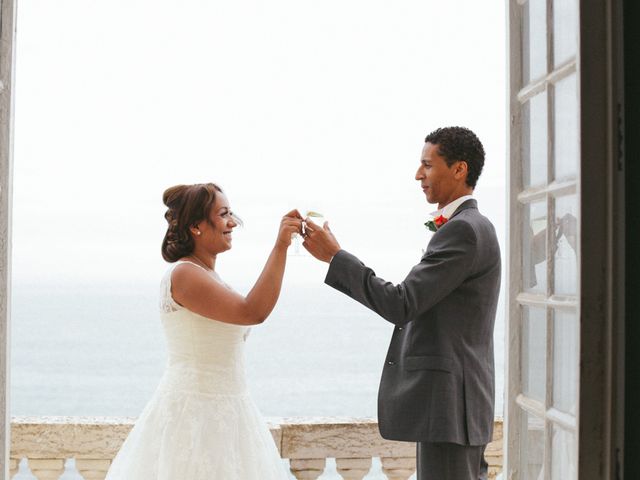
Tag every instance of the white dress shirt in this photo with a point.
(450, 208)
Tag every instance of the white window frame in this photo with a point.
(519, 197)
(600, 304)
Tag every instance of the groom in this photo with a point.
(437, 386)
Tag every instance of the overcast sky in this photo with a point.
(321, 105)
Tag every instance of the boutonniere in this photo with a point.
(436, 223)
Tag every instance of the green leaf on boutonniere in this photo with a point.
(431, 225)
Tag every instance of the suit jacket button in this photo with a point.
(391, 362)
(400, 329)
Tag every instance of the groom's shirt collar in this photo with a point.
(450, 208)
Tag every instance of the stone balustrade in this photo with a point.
(47, 442)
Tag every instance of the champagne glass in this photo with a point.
(296, 250)
(315, 217)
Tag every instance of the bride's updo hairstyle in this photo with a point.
(187, 205)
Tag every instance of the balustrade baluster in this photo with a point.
(353, 468)
(14, 464)
(46, 468)
(307, 468)
(400, 468)
(493, 456)
(93, 469)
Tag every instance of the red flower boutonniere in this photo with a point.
(436, 223)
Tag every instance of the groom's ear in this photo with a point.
(461, 170)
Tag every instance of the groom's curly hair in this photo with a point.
(460, 144)
(187, 206)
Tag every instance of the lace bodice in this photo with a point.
(204, 356)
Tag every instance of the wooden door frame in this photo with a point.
(7, 70)
(602, 240)
(630, 463)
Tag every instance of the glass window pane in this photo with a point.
(534, 40)
(534, 247)
(531, 447)
(534, 141)
(534, 352)
(567, 147)
(565, 361)
(565, 246)
(565, 30)
(563, 455)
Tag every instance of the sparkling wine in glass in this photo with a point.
(315, 217)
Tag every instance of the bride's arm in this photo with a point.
(194, 289)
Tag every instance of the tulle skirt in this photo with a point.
(195, 436)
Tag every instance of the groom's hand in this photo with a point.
(319, 241)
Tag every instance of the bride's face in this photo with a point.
(216, 233)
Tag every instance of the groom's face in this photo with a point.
(437, 179)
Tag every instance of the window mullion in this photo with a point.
(548, 429)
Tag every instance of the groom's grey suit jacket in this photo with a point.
(438, 379)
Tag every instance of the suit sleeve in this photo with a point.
(446, 264)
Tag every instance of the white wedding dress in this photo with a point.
(200, 423)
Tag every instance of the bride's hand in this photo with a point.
(291, 223)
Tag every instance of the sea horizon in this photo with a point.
(97, 349)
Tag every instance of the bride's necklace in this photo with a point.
(202, 264)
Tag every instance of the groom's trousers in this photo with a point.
(449, 461)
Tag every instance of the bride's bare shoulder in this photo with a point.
(186, 271)
(189, 276)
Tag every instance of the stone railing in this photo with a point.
(47, 442)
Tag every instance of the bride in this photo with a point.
(201, 423)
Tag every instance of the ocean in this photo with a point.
(87, 349)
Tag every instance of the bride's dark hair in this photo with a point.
(187, 205)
